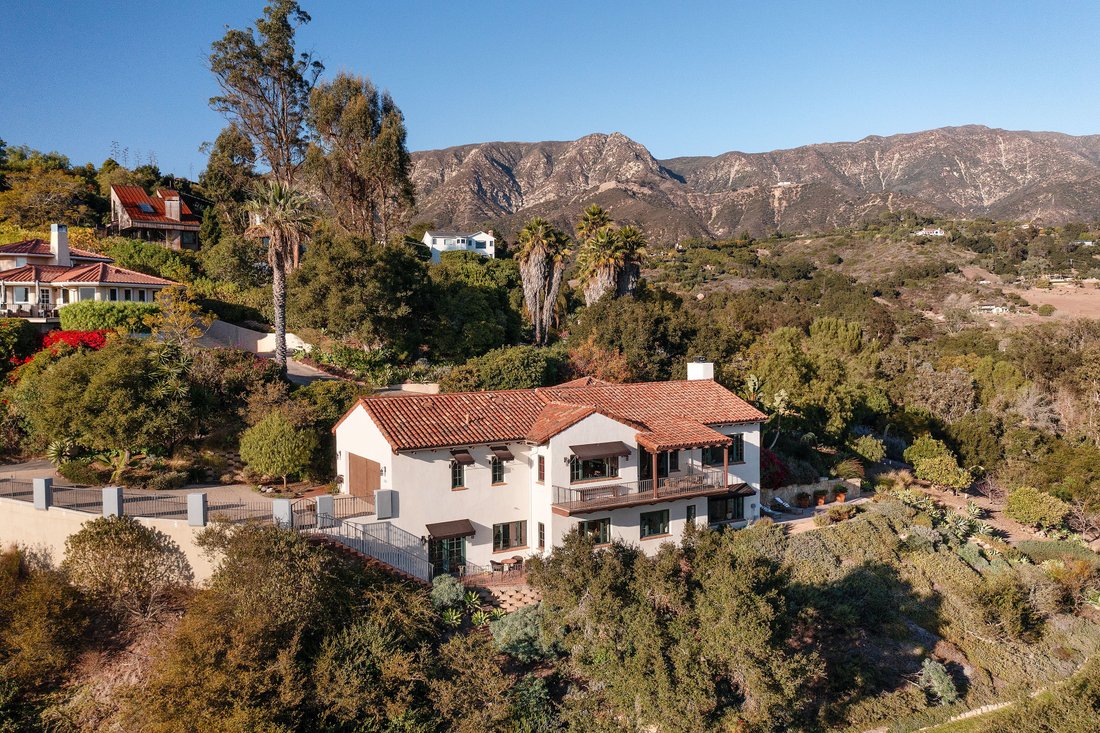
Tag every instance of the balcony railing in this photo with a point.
(579, 499)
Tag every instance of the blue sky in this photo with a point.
(691, 78)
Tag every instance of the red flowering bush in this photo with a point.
(773, 473)
(94, 340)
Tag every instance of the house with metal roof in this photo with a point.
(440, 241)
(40, 278)
(163, 217)
(485, 479)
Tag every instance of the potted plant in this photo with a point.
(802, 499)
(819, 497)
(840, 493)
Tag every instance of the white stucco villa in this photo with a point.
(483, 477)
(439, 241)
(38, 278)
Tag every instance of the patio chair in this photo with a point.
(517, 564)
(496, 567)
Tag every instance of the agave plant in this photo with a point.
(497, 614)
(472, 601)
(984, 530)
(973, 510)
(60, 451)
(1092, 597)
(452, 617)
(480, 618)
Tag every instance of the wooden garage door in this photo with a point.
(365, 476)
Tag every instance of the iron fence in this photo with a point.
(160, 506)
(240, 511)
(11, 488)
(79, 499)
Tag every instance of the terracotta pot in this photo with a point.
(803, 502)
(840, 496)
(821, 501)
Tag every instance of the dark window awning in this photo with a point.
(600, 450)
(462, 456)
(451, 530)
(502, 452)
(742, 490)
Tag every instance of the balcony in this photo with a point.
(587, 498)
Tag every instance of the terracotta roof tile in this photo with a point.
(40, 247)
(96, 273)
(667, 415)
(132, 197)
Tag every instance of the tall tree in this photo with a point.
(358, 157)
(600, 259)
(594, 218)
(229, 177)
(283, 216)
(632, 242)
(542, 252)
(265, 86)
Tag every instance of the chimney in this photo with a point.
(172, 205)
(699, 369)
(59, 245)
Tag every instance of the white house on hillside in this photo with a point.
(484, 477)
(37, 278)
(483, 243)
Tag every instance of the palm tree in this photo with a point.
(599, 262)
(281, 215)
(594, 219)
(541, 254)
(632, 242)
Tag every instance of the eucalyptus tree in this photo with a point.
(265, 86)
(541, 255)
(282, 216)
(358, 157)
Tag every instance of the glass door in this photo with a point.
(447, 556)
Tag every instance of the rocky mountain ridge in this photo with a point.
(965, 171)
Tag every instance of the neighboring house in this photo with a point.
(926, 232)
(990, 308)
(484, 476)
(162, 217)
(39, 278)
(483, 243)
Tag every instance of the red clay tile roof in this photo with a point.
(411, 422)
(97, 273)
(131, 198)
(667, 415)
(556, 417)
(41, 248)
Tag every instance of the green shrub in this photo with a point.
(1041, 551)
(516, 367)
(937, 682)
(1005, 604)
(520, 634)
(82, 472)
(447, 592)
(1046, 309)
(17, 341)
(925, 447)
(127, 568)
(1036, 508)
(93, 315)
(165, 480)
(869, 448)
(275, 447)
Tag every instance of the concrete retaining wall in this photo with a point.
(788, 493)
(21, 523)
(257, 342)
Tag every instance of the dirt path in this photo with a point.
(995, 516)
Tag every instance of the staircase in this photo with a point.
(380, 544)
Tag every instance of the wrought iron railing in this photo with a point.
(11, 488)
(367, 539)
(618, 493)
(146, 504)
(82, 500)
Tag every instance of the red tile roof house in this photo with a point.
(485, 476)
(162, 217)
(38, 278)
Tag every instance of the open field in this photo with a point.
(1068, 302)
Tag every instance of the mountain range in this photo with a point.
(968, 171)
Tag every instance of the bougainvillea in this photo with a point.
(94, 340)
(773, 473)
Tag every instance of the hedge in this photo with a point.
(94, 315)
(18, 339)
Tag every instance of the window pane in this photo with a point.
(509, 535)
(498, 471)
(654, 523)
(598, 529)
(542, 536)
(691, 513)
(458, 475)
(737, 450)
(542, 469)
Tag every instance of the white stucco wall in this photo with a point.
(422, 480)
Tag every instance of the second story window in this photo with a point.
(458, 475)
(542, 469)
(498, 471)
(737, 449)
(593, 469)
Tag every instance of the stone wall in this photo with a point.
(21, 523)
(788, 493)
